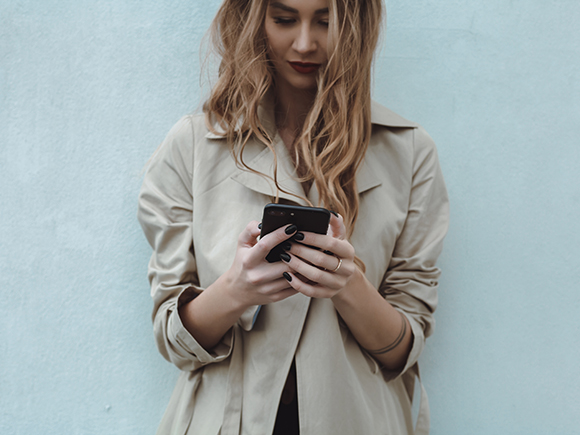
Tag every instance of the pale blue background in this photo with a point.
(88, 89)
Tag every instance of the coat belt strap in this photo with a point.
(424, 416)
(234, 393)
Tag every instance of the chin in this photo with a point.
(310, 87)
(295, 82)
(303, 84)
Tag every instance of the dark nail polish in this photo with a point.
(291, 229)
(286, 246)
(260, 226)
(299, 236)
(328, 253)
(287, 276)
(285, 257)
(334, 213)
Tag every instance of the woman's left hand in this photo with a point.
(321, 273)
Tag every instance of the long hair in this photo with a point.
(337, 130)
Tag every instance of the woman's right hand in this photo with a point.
(251, 279)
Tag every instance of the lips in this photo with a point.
(305, 67)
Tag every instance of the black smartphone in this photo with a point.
(311, 219)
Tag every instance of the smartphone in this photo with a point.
(311, 219)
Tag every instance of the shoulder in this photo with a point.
(399, 145)
(392, 130)
(381, 115)
(186, 131)
(181, 140)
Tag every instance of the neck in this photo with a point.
(291, 108)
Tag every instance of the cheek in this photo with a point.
(278, 41)
(277, 55)
(324, 46)
(270, 39)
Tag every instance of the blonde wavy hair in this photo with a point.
(336, 133)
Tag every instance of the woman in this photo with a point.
(325, 341)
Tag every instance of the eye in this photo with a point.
(324, 23)
(283, 21)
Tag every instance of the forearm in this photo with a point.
(211, 314)
(376, 324)
(249, 282)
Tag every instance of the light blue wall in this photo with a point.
(88, 89)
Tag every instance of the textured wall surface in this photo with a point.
(88, 89)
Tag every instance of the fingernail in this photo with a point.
(328, 253)
(260, 226)
(287, 276)
(334, 213)
(299, 236)
(285, 257)
(291, 229)
(287, 246)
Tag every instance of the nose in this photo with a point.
(305, 41)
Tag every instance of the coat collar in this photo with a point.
(380, 115)
(263, 162)
(386, 117)
(261, 159)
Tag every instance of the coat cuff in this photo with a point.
(416, 349)
(184, 339)
(248, 319)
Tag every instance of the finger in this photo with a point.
(336, 228)
(340, 248)
(273, 291)
(313, 273)
(275, 286)
(269, 241)
(266, 273)
(249, 236)
(312, 290)
(321, 259)
(283, 294)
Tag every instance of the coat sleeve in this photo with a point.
(411, 281)
(165, 213)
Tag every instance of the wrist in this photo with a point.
(226, 286)
(350, 290)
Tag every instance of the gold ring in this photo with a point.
(338, 265)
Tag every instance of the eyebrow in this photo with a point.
(283, 7)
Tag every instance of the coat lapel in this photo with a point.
(261, 159)
(366, 177)
(264, 163)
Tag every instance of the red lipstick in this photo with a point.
(304, 67)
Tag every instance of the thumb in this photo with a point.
(337, 228)
(249, 237)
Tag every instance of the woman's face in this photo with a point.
(297, 32)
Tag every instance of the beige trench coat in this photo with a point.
(193, 205)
